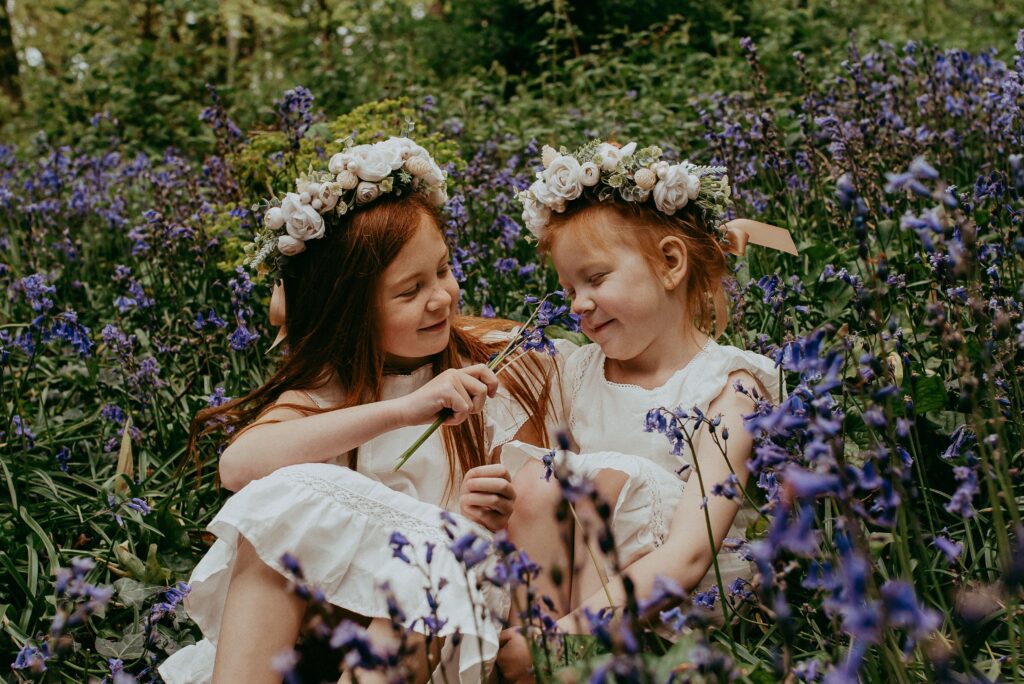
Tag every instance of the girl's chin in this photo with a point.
(411, 359)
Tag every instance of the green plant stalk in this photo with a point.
(711, 536)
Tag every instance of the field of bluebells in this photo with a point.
(889, 546)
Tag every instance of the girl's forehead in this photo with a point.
(596, 234)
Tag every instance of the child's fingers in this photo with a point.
(495, 486)
(487, 503)
(457, 399)
(490, 470)
(485, 375)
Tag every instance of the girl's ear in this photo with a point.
(673, 261)
(277, 315)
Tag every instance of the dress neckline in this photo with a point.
(630, 386)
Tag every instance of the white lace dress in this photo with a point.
(606, 422)
(338, 523)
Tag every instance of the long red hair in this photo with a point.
(330, 316)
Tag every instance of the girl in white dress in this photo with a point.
(634, 239)
(376, 351)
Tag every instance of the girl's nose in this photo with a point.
(581, 304)
(440, 299)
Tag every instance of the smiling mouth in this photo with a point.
(437, 327)
(594, 329)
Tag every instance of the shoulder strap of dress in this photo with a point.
(312, 399)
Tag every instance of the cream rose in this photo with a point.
(367, 192)
(672, 192)
(289, 246)
(302, 221)
(590, 174)
(563, 177)
(612, 155)
(347, 180)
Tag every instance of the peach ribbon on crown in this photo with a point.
(743, 231)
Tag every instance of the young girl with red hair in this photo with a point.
(637, 243)
(376, 349)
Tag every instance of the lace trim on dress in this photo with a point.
(688, 364)
(576, 382)
(658, 527)
(371, 508)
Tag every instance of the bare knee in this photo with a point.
(537, 499)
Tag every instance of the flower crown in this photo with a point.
(355, 177)
(604, 170)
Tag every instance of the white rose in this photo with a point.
(612, 155)
(563, 177)
(406, 148)
(353, 157)
(302, 221)
(338, 163)
(367, 192)
(273, 219)
(543, 194)
(590, 174)
(289, 246)
(535, 216)
(378, 161)
(673, 190)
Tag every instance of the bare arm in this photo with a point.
(298, 438)
(686, 555)
(286, 436)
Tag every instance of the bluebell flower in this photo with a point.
(706, 599)
(32, 658)
(398, 542)
(470, 549)
(950, 549)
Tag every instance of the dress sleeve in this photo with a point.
(714, 376)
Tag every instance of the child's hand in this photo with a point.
(514, 659)
(487, 496)
(463, 390)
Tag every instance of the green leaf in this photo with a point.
(130, 647)
(929, 393)
(133, 593)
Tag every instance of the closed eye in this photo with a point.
(597, 278)
(411, 292)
